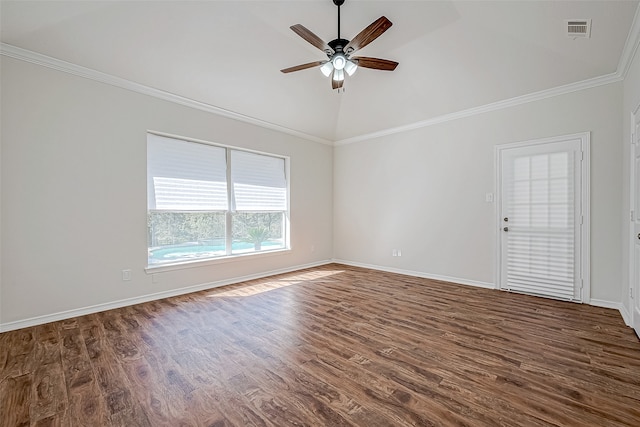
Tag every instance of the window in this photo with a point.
(206, 201)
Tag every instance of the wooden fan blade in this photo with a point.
(306, 34)
(375, 63)
(303, 66)
(369, 34)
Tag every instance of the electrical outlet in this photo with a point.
(126, 275)
(394, 252)
(399, 252)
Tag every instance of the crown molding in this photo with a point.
(628, 53)
(630, 46)
(88, 73)
(494, 106)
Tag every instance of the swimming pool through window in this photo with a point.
(206, 201)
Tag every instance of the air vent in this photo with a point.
(579, 28)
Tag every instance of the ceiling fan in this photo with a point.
(339, 51)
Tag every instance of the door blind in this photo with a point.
(541, 224)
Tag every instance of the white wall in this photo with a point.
(74, 192)
(73, 196)
(631, 101)
(424, 191)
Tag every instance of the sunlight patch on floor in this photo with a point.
(266, 285)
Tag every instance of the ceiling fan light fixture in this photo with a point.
(339, 61)
(350, 67)
(327, 68)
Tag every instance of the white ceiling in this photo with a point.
(453, 55)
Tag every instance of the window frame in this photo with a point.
(229, 255)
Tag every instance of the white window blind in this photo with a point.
(541, 214)
(259, 182)
(185, 176)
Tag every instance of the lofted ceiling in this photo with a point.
(453, 55)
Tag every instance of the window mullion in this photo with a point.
(206, 201)
(230, 204)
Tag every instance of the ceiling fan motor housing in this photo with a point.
(338, 45)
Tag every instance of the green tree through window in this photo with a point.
(207, 201)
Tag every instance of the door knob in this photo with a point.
(507, 229)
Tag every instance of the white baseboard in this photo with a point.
(40, 320)
(605, 304)
(595, 302)
(626, 316)
(614, 305)
(458, 280)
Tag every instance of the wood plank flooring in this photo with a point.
(329, 346)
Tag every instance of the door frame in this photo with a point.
(631, 292)
(585, 203)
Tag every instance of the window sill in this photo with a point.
(152, 269)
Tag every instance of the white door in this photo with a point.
(634, 295)
(541, 217)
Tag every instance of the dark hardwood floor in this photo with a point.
(329, 346)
